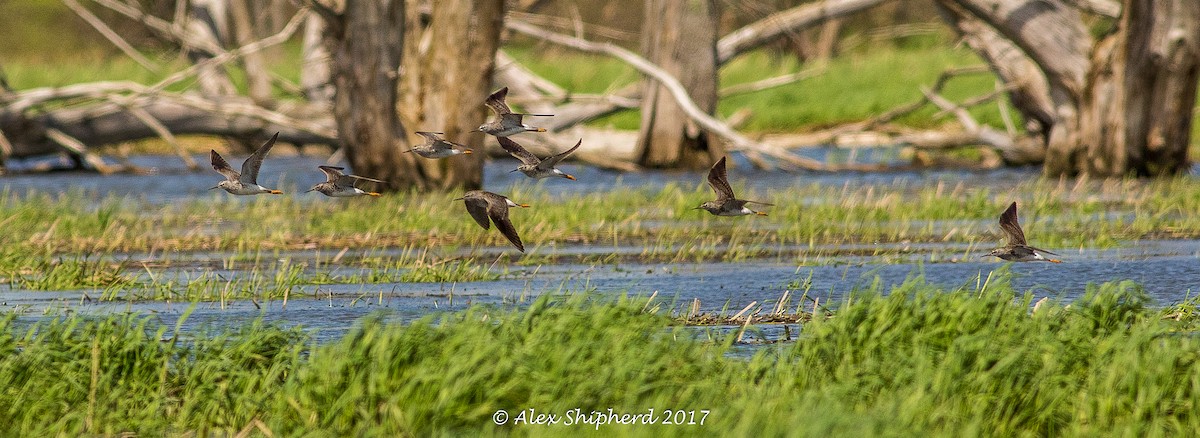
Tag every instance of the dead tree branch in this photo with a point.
(707, 122)
(111, 35)
(791, 20)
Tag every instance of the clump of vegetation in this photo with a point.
(917, 359)
(427, 239)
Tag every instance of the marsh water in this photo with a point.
(1168, 270)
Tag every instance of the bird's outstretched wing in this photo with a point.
(518, 151)
(349, 180)
(252, 164)
(332, 174)
(496, 102)
(719, 180)
(222, 166)
(553, 160)
(1010, 226)
(478, 208)
(498, 211)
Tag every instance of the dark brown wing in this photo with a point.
(719, 181)
(430, 136)
(349, 180)
(478, 207)
(496, 102)
(332, 174)
(498, 211)
(1010, 226)
(552, 160)
(453, 145)
(252, 164)
(513, 119)
(222, 166)
(518, 151)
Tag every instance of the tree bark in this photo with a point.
(449, 57)
(1116, 107)
(258, 80)
(365, 41)
(681, 39)
(207, 23)
(1149, 70)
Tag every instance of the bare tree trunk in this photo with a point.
(207, 22)
(681, 39)
(449, 57)
(258, 77)
(365, 41)
(1136, 113)
(1117, 107)
(314, 72)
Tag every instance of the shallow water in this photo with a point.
(169, 180)
(1168, 270)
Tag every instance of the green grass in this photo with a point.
(1100, 214)
(419, 242)
(923, 360)
(852, 88)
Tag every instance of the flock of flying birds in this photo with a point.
(487, 207)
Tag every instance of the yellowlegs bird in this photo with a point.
(1016, 250)
(437, 147)
(505, 122)
(533, 166)
(487, 205)
(340, 185)
(726, 204)
(246, 182)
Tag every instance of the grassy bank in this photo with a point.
(920, 361)
(1054, 214)
(74, 241)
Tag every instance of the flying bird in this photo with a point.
(505, 122)
(1016, 249)
(437, 147)
(485, 206)
(535, 167)
(726, 203)
(338, 184)
(246, 182)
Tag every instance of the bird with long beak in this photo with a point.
(535, 167)
(726, 203)
(505, 122)
(484, 206)
(245, 182)
(1016, 249)
(340, 185)
(437, 147)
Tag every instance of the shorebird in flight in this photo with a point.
(505, 122)
(1016, 249)
(246, 182)
(535, 167)
(726, 203)
(437, 147)
(485, 206)
(340, 185)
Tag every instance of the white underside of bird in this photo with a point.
(245, 189)
(535, 172)
(440, 153)
(349, 193)
(744, 211)
(513, 131)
